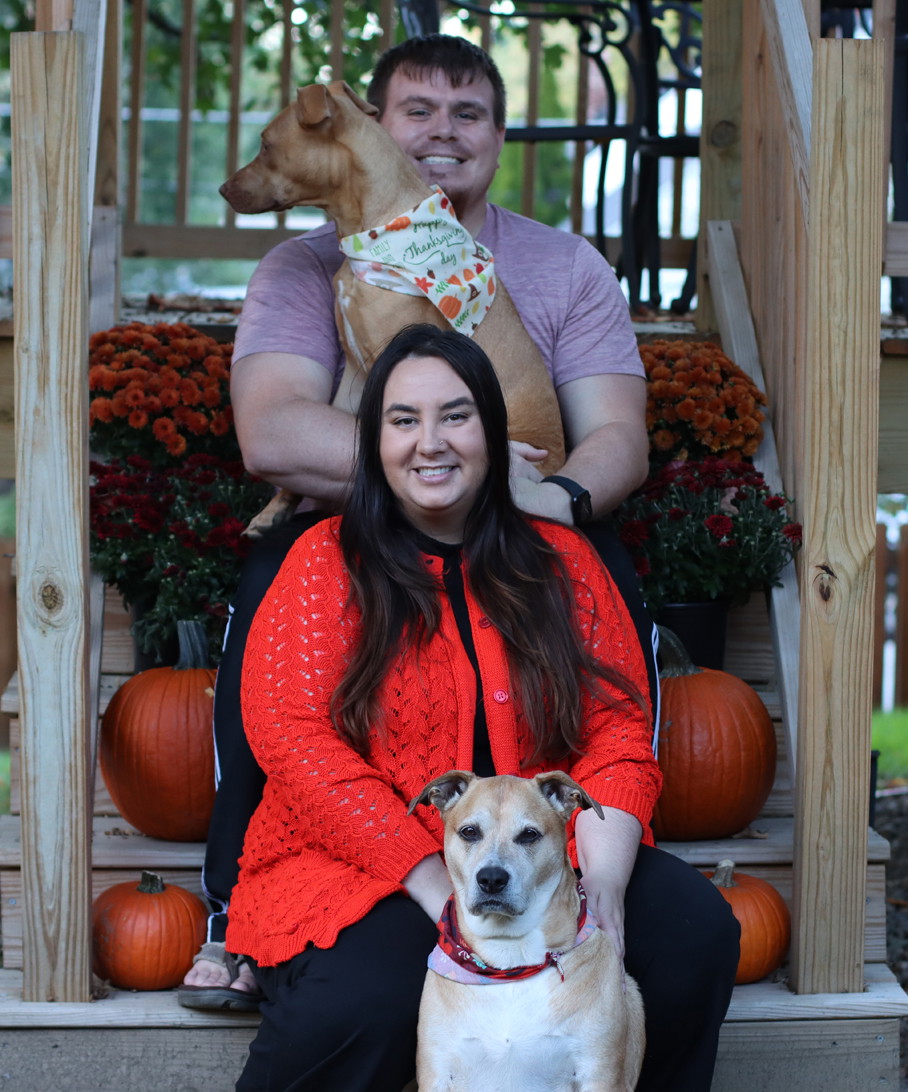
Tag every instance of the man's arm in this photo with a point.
(605, 427)
(288, 433)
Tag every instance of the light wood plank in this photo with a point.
(100, 797)
(112, 1059)
(774, 847)
(104, 266)
(115, 844)
(884, 29)
(789, 45)
(51, 264)
(720, 136)
(773, 242)
(11, 900)
(53, 15)
(739, 340)
(96, 637)
(839, 421)
(880, 995)
(893, 453)
(896, 256)
(188, 48)
(89, 20)
(109, 686)
(810, 1056)
(7, 409)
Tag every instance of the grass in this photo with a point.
(889, 735)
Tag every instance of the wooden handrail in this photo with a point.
(790, 47)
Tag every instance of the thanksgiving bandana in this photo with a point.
(428, 252)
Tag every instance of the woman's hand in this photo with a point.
(429, 885)
(606, 851)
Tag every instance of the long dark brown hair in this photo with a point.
(519, 581)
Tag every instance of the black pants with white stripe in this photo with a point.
(344, 1019)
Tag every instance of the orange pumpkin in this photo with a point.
(449, 306)
(156, 750)
(144, 937)
(764, 918)
(717, 750)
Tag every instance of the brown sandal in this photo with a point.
(219, 998)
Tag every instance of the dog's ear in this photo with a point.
(443, 791)
(564, 794)
(313, 104)
(360, 103)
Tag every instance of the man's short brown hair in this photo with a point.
(459, 60)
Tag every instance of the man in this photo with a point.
(443, 101)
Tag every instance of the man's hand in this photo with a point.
(530, 493)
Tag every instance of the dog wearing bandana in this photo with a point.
(408, 259)
(524, 992)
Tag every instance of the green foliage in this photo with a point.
(889, 736)
(8, 514)
(706, 530)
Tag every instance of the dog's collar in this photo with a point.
(452, 958)
(427, 252)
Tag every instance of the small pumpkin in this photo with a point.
(764, 918)
(717, 749)
(156, 749)
(144, 937)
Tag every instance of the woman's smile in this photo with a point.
(432, 446)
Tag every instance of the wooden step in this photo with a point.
(767, 853)
(771, 1041)
(120, 853)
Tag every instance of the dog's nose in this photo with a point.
(492, 879)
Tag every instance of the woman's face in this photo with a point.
(432, 446)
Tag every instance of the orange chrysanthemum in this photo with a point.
(699, 402)
(145, 379)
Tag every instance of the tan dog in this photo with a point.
(577, 1024)
(326, 150)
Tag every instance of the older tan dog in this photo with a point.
(326, 150)
(559, 1014)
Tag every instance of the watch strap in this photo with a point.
(581, 502)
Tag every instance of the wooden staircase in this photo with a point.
(772, 1039)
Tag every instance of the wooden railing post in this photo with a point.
(838, 408)
(51, 198)
(720, 136)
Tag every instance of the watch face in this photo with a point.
(582, 508)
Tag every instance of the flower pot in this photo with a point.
(165, 655)
(701, 628)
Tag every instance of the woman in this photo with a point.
(433, 627)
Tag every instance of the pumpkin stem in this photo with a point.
(673, 655)
(151, 884)
(193, 646)
(724, 876)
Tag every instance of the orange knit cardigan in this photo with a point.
(331, 836)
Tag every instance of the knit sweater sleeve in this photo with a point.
(617, 766)
(296, 654)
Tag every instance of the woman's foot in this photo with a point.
(208, 972)
(219, 980)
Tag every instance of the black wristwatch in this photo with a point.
(581, 501)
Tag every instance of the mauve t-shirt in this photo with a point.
(565, 291)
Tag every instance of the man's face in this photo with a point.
(448, 132)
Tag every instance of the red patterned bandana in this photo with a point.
(452, 958)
